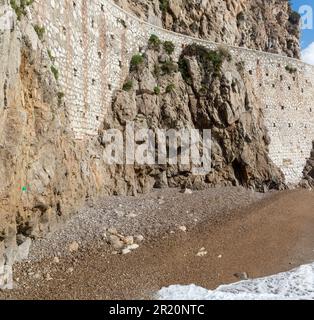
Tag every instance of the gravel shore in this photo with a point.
(151, 215)
(208, 238)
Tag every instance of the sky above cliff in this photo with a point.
(306, 9)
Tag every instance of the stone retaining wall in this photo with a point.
(91, 43)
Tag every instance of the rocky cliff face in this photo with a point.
(37, 156)
(204, 90)
(45, 174)
(267, 25)
(309, 171)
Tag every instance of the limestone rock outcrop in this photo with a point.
(197, 93)
(267, 25)
(45, 173)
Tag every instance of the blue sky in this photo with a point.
(307, 35)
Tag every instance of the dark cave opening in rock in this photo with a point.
(240, 172)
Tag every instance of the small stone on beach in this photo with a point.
(242, 276)
(139, 238)
(73, 247)
(133, 246)
(187, 191)
(56, 260)
(129, 240)
(126, 251)
(202, 253)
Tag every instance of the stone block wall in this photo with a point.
(91, 42)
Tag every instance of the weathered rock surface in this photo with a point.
(309, 171)
(45, 174)
(268, 25)
(197, 93)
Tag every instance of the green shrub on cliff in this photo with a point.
(154, 42)
(128, 85)
(55, 72)
(40, 31)
(20, 8)
(291, 69)
(157, 90)
(169, 47)
(216, 59)
(164, 5)
(51, 56)
(136, 61)
(210, 60)
(224, 53)
(170, 88)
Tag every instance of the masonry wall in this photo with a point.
(91, 42)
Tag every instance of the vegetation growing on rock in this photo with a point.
(55, 72)
(136, 61)
(169, 47)
(291, 69)
(40, 31)
(170, 88)
(20, 7)
(157, 90)
(128, 85)
(154, 42)
(164, 5)
(208, 91)
(212, 60)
